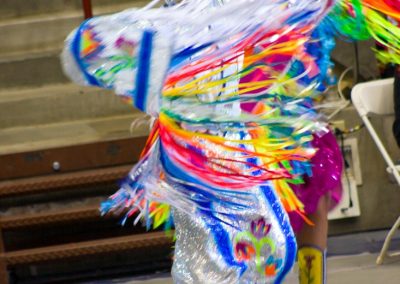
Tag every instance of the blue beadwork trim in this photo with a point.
(291, 246)
(143, 71)
(75, 50)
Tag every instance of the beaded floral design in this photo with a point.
(248, 246)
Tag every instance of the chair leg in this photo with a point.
(387, 241)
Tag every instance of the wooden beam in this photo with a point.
(64, 251)
(46, 218)
(71, 158)
(65, 180)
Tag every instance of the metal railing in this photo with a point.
(87, 8)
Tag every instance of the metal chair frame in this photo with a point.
(376, 98)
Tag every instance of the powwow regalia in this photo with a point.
(238, 144)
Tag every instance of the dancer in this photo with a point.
(238, 141)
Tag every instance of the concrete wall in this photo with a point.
(18, 8)
(34, 33)
(344, 54)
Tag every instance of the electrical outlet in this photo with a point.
(340, 124)
(349, 205)
(352, 157)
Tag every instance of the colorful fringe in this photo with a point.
(233, 112)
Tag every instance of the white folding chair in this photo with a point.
(376, 98)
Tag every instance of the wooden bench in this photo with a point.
(72, 175)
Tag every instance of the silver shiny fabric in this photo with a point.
(198, 259)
